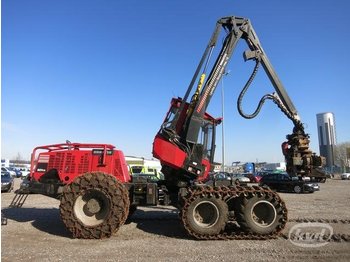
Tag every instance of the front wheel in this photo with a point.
(94, 205)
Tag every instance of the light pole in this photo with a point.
(222, 115)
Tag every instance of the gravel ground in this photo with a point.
(35, 232)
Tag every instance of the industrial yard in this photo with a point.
(35, 232)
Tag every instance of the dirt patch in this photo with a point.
(35, 232)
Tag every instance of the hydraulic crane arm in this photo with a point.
(183, 128)
(237, 28)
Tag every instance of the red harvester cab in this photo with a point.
(179, 156)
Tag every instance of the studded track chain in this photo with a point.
(319, 220)
(335, 237)
(236, 191)
(228, 193)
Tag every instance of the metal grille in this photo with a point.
(117, 167)
(83, 165)
(70, 163)
(56, 161)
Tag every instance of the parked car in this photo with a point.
(240, 178)
(253, 177)
(6, 169)
(284, 182)
(25, 171)
(345, 176)
(6, 182)
(145, 177)
(16, 170)
(219, 176)
(225, 176)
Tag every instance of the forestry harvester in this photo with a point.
(97, 193)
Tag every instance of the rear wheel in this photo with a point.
(260, 214)
(206, 216)
(94, 205)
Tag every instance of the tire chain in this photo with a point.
(336, 237)
(104, 183)
(329, 238)
(320, 220)
(227, 193)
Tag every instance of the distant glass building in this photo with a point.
(326, 136)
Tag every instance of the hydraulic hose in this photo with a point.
(297, 124)
(244, 90)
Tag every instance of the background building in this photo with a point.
(281, 166)
(326, 136)
(5, 162)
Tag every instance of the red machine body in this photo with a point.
(195, 162)
(69, 160)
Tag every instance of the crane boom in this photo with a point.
(185, 131)
(236, 28)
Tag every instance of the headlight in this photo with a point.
(5, 183)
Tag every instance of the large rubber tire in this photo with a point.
(206, 216)
(259, 214)
(94, 206)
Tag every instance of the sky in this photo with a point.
(104, 71)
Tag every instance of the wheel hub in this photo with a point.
(205, 214)
(264, 213)
(92, 208)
